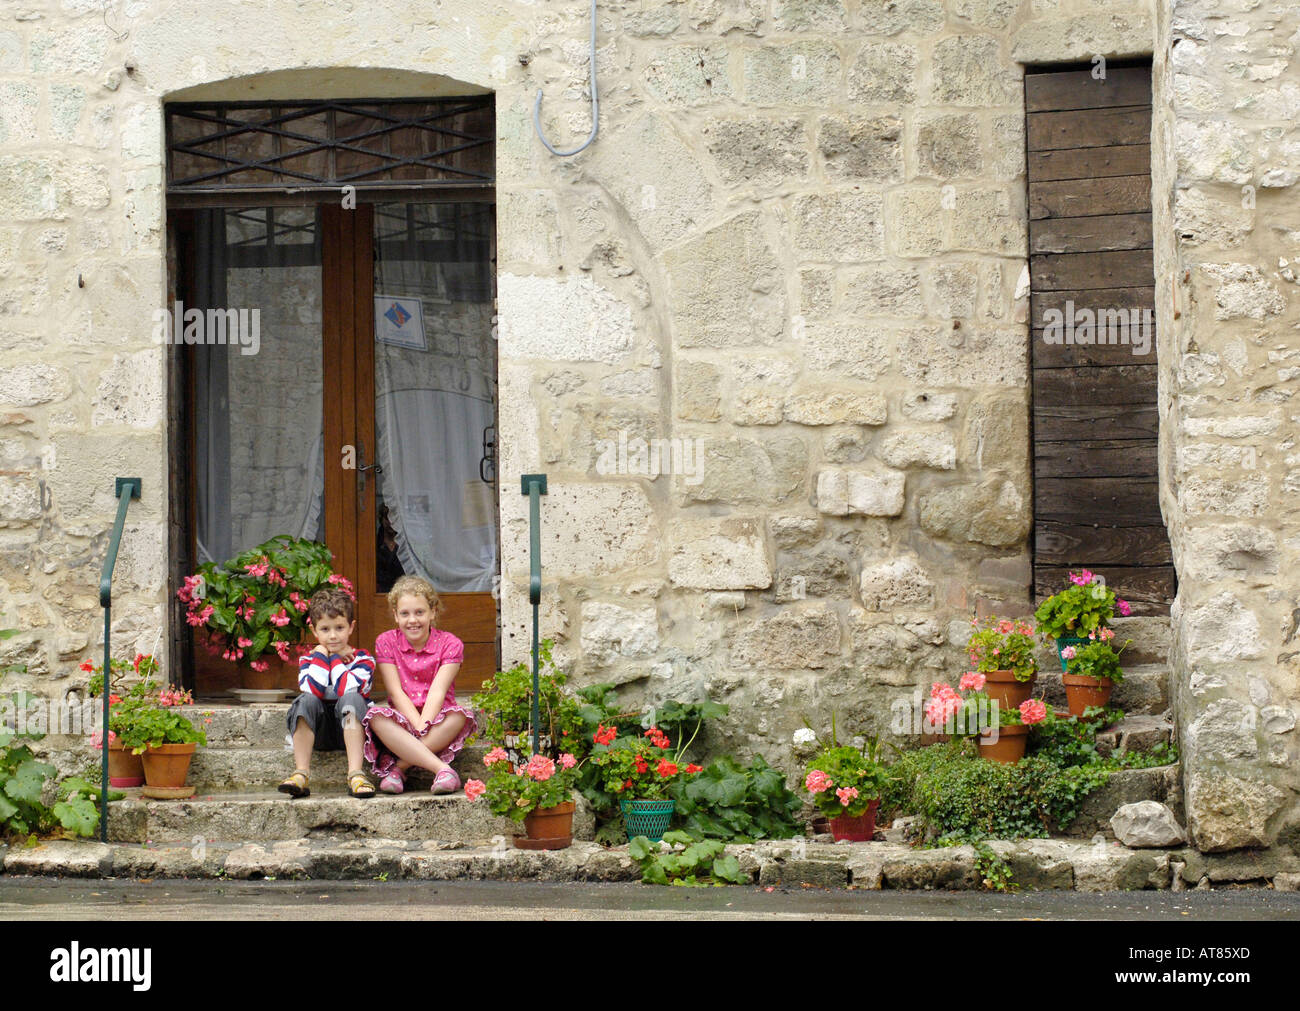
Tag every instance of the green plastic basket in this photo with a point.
(1061, 643)
(649, 818)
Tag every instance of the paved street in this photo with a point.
(71, 899)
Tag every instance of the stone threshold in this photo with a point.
(1035, 864)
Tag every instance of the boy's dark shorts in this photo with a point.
(326, 717)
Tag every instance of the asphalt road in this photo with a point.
(23, 898)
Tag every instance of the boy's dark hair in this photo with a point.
(330, 602)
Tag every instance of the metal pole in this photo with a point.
(131, 486)
(534, 486)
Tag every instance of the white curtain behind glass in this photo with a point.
(433, 405)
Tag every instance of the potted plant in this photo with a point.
(846, 784)
(151, 725)
(1093, 671)
(538, 793)
(1002, 651)
(1008, 744)
(641, 772)
(125, 768)
(1077, 613)
(251, 610)
(506, 707)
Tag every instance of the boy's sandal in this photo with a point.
(296, 784)
(359, 785)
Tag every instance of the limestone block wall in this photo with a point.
(1227, 157)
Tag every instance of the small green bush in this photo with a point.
(736, 804)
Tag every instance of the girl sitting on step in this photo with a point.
(422, 724)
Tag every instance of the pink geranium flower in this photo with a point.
(1123, 607)
(567, 761)
(1033, 711)
(540, 768)
(1068, 652)
(818, 782)
(475, 788)
(496, 755)
(847, 795)
(972, 681)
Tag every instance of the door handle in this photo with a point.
(361, 476)
(489, 457)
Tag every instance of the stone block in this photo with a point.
(839, 227)
(915, 448)
(559, 319)
(860, 492)
(1226, 812)
(948, 146)
(613, 632)
(796, 73)
(761, 152)
(806, 638)
(1147, 824)
(698, 391)
(920, 17)
(884, 73)
(898, 583)
(689, 75)
(928, 405)
(835, 409)
(866, 148)
(971, 70)
(849, 350)
(727, 289)
(988, 358)
(886, 290)
(749, 471)
(994, 512)
(719, 554)
(825, 16)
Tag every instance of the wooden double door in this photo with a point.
(377, 321)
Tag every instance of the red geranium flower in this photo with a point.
(694, 768)
(604, 734)
(666, 768)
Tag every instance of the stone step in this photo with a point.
(261, 815)
(1035, 863)
(1144, 690)
(226, 769)
(1163, 784)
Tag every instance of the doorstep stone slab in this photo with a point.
(62, 857)
(1287, 882)
(949, 868)
(1235, 867)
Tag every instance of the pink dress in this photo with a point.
(416, 669)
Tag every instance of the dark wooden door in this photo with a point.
(1095, 418)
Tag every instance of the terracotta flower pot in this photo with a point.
(1001, 686)
(859, 829)
(548, 828)
(1082, 691)
(167, 765)
(1009, 748)
(125, 769)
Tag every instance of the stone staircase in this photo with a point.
(235, 778)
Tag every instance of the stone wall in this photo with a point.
(799, 238)
(1225, 158)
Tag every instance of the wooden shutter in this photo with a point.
(1095, 420)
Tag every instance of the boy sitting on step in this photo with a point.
(335, 680)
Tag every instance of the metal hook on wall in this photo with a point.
(595, 105)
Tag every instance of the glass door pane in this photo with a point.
(435, 364)
(258, 439)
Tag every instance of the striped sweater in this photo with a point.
(332, 677)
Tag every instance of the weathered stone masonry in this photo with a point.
(799, 237)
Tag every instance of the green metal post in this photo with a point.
(131, 486)
(534, 486)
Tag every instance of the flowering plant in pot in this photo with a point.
(641, 771)
(1007, 744)
(252, 609)
(1093, 671)
(125, 768)
(1002, 650)
(538, 793)
(1078, 612)
(150, 724)
(846, 784)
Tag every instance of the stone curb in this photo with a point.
(1036, 864)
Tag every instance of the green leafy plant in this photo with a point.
(1097, 659)
(518, 791)
(1067, 740)
(737, 804)
(506, 705)
(1080, 609)
(255, 604)
(844, 780)
(1002, 644)
(993, 870)
(690, 861)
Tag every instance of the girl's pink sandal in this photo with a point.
(446, 781)
(394, 782)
